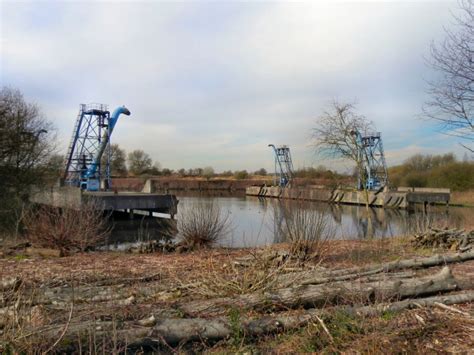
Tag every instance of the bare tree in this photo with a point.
(139, 162)
(26, 142)
(118, 158)
(452, 94)
(335, 137)
(208, 172)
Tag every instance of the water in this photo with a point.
(256, 221)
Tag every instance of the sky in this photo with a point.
(213, 83)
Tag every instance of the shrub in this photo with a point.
(202, 224)
(68, 230)
(240, 175)
(306, 230)
(416, 179)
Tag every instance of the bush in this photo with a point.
(202, 225)
(67, 230)
(240, 175)
(416, 179)
(306, 230)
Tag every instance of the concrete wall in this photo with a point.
(387, 199)
(64, 196)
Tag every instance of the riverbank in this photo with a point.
(463, 198)
(105, 298)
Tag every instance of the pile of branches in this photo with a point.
(453, 239)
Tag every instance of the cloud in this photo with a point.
(212, 83)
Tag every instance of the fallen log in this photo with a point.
(310, 296)
(177, 331)
(317, 277)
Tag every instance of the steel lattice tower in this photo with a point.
(374, 161)
(283, 165)
(91, 122)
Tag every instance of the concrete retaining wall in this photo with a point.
(387, 199)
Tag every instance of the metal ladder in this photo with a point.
(74, 137)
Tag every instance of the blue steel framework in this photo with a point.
(86, 141)
(283, 165)
(371, 154)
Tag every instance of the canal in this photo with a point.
(256, 222)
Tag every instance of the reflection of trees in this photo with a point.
(418, 220)
(284, 210)
(374, 221)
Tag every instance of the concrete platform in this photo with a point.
(72, 197)
(404, 198)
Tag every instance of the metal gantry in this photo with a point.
(86, 141)
(372, 158)
(283, 165)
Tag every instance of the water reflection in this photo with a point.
(257, 221)
(129, 232)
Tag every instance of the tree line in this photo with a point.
(441, 171)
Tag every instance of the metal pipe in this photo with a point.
(91, 172)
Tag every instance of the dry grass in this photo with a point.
(258, 273)
(218, 275)
(390, 333)
(465, 198)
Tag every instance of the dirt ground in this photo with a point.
(159, 281)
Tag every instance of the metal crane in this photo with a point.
(371, 156)
(90, 139)
(283, 165)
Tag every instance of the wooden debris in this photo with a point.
(453, 239)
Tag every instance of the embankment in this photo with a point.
(162, 184)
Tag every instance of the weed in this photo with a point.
(236, 327)
(343, 328)
(20, 257)
(388, 315)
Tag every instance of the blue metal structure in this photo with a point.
(283, 165)
(90, 140)
(371, 155)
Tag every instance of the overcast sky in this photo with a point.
(213, 83)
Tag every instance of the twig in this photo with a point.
(325, 328)
(449, 308)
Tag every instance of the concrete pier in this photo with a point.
(72, 197)
(404, 198)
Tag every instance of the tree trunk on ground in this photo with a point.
(318, 277)
(179, 331)
(310, 296)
